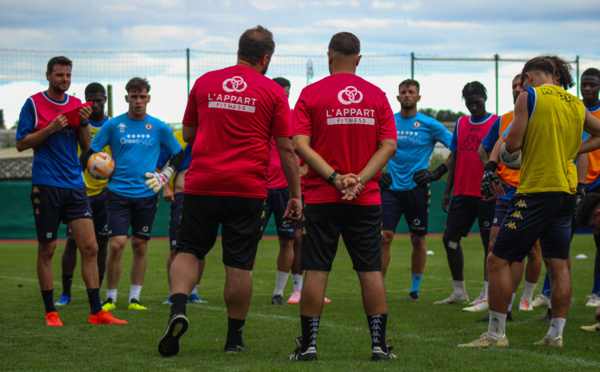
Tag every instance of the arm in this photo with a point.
(516, 133)
(591, 125)
(291, 170)
(85, 136)
(450, 183)
(33, 139)
(155, 181)
(189, 134)
(484, 156)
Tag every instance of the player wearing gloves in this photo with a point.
(405, 188)
(135, 139)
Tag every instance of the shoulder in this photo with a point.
(74, 100)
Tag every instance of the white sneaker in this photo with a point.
(295, 297)
(479, 298)
(452, 299)
(486, 341)
(525, 305)
(593, 300)
(480, 306)
(540, 300)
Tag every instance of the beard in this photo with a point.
(407, 107)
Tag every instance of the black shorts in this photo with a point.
(241, 227)
(276, 204)
(360, 226)
(174, 218)
(124, 211)
(52, 204)
(502, 206)
(98, 205)
(464, 209)
(414, 204)
(546, 216)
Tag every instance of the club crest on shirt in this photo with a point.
(350, 95)
(417, 124)
(235, 84)
(148, 126)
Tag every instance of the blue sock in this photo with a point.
(94, 297)
(416, 282)
(547, 291)
(596, 289)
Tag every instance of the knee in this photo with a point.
(418, 242)
(46, 251)
(451, 242)
(89, 248)
(387, 238)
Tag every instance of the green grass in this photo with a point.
(424, 336)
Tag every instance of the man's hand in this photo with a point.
(424, 176)
(293, 211)
(58, 123)
(446, 202)
(489, 180)
(168, 193)
(84, 112)
(155, 181)
(385, 181)
(349, 185)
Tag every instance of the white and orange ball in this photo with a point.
(101, 165)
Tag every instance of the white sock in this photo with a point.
(484, 290)
(134, 292)
(459, 288)
(497, 324)
(111, 293)
(195, 290)
(512, 299)
(280, 282)
(557, 325)
(528, 291)
(297, 282)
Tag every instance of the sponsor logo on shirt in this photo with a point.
(122, 127)
(235, 84)
(471, 143)
(350, 95)
(137, 139)
(408, 136)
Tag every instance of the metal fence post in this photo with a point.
(577, 71)
(188, 69)
(496, 60)
(412, 65)
(110, 100)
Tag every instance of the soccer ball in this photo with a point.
(512, 161)
(101, 165)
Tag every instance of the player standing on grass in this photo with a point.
(344, 130)
(96, 192)
(499, 180)
(465, 178)
(173, 193)
(588, 215)
(230, 118)
(409, 191)
(548, 125)
(135, 140)
(58, 191)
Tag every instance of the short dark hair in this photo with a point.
(95, 88)
(345, 43)
(61, 60)
(255, 43)
(586, 209)
(541, 63)
(137, 84)
(474, 89)
(517, 76)
(591, 72)
(410, 82)
(283, 82)
(564, 69)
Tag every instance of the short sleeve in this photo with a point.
(102, 138)
(190, 118)
(168, 140)
(441, 134)
(302, 122)
(492, 137)
(27, 120)
(387, 126)
(281, 125)
(454, 143)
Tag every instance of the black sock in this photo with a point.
(235, 327)
(101, 278)
(310, 329)
(178, 303)
(377, 326)
(48, 297)
(94, 297)
(67, 280)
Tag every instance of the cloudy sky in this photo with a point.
(459, 28)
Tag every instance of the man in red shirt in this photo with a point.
(344, 129)
(230, 117)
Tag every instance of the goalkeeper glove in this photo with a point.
(580, 192)
(155, 181)
(489, 177)
(424, 176)
(385, 181)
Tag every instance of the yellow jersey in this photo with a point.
(95, 186)
(179, 137)
(551, 142)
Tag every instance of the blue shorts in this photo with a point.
(502, 206)
(360, 227)
(546, 216)
(414, 204)
(276, 204)
(137, 212)
(52, 204)
(465, 209)
(239, 219)
(176, 209)
(98, 205)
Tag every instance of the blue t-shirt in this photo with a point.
(417, 136)
(164, 157)
(135, 147)
(55, 162)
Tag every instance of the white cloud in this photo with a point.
(271, 4)
(439, 25)
(357, 24)
(383, 4)
(411, 6)
(147, 33)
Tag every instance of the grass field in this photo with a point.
(424, 336)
